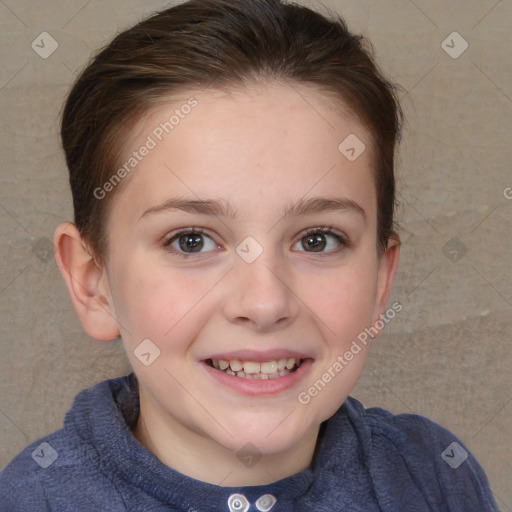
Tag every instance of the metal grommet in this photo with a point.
(265, 502)
(238, 503)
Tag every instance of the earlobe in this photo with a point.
(85, 283)
(387, 266)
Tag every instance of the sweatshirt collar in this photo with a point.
(105, 414)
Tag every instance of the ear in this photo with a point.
(387, 266)
(87, 283)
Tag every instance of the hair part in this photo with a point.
(222, 44)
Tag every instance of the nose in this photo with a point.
(260, 295)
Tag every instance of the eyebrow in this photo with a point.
(224, 208)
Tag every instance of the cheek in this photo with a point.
(344, 302)
(151, 302)
(343, 294)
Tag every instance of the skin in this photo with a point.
(260, 149)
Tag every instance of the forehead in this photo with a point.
(266, 142)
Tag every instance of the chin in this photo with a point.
(270, 436)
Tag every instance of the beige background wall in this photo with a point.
(446, 356)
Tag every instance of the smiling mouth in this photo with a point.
(253, 370)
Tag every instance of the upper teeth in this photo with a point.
(268, 367)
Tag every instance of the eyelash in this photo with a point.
(344, 242)
(327, 230)
(174, 236)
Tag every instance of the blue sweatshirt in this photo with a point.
(366, 460)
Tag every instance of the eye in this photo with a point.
(189, 241)
(322, 240)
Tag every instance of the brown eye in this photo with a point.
(322, 240)
(191, 243)
(188, 242)
(315, 242)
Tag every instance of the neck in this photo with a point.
(202, 458)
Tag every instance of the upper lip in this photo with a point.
(258, 356)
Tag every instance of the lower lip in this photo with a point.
(257, 387)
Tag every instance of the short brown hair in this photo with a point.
(223, 43)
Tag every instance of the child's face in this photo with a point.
(306, 296)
